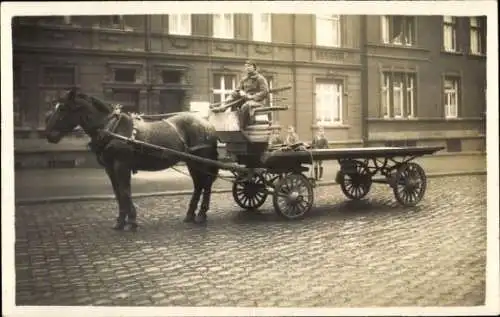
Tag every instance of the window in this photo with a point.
(59, 76)
(261, 27)
(329, 102)
(224, 85)
(53, 19)
(179, 24)
(125, 75)
(49, 97)
(398, 95)
(18, 110)
(267, 116)
(449, 34)
(18, 95)
(112, 21)
(399, 30)
(451, 97)
(17, 74)
(223, 26)
(128, 98)
(55, 82)
(476, 34)
(172, 100)
(328, 30)
(270, 84)
(171, 76)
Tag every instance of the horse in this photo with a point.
(185, 132)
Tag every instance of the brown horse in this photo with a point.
(184, 132)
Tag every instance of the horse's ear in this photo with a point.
(72, 93)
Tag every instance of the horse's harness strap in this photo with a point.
(115, 114)
(178, 134)
(199, 147)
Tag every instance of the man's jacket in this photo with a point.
(255, 85)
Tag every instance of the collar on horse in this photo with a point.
(96, 143)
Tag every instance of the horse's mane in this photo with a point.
(100, 104)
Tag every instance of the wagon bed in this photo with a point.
(306, 156)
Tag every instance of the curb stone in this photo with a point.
(49, 200)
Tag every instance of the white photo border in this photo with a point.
(456, 8)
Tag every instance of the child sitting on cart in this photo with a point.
(275, 139)
(292, 137)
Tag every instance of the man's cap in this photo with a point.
(250, 62)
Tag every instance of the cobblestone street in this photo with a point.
(344, 254)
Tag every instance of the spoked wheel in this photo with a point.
(271, 178)
(293, 197)
(410, 184)
(250, 194)
(355, 182)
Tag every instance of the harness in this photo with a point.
(135, 130)
(98, 143)
(188, 149)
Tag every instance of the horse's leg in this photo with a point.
(120, 220)
(208, 176)
(195, 198)
(128, 213)
(205, 202)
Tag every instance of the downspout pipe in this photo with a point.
(364, 78)
(147, 47)
(294, 72)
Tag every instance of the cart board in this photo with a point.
(246, 145)
(307, 156)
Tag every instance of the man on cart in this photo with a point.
(253, 90)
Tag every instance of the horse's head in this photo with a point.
(71, 110)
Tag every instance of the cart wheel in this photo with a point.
(250, 194)
(410, 184)
(355, 184)
(271, 178)
(293, 197)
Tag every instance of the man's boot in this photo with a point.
(321, 172)
(316, 173)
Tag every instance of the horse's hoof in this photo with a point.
(201, 219)
(189, 219)
(119, 226)
(132, 227)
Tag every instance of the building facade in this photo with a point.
(426, 81)
(369, 80)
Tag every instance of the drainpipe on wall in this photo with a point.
(147, 46)
(294, 73)
(364, 79)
